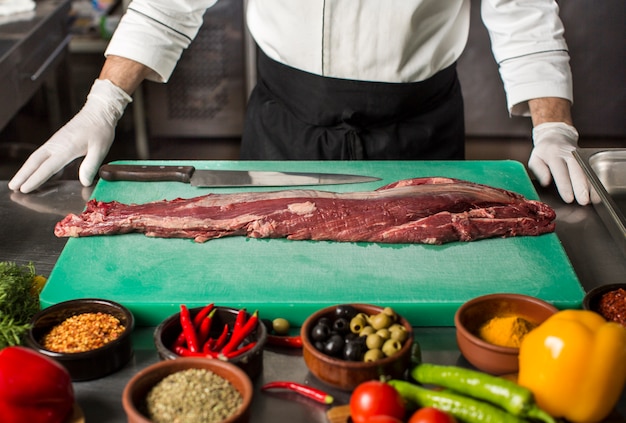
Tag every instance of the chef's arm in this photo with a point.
(125, 73)
(555, 138)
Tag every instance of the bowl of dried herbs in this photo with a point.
(188, 389)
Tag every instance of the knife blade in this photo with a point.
(224, 178)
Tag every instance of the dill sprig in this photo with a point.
(19, 301)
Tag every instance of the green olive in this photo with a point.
(391, 346)
(374, 341)
(384, 333)
(391, 313)
(280, 326)
(357, 324)
(380, 320)
(373, 355)
(366, 331)
(399, 333)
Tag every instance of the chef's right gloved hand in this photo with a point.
(90, 133)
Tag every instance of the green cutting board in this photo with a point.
(425, 283)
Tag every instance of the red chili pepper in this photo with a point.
(186, 352)
(205, 328)
(204, 312)
(238, 352)
(221, 341)
(240, 334)
(239, 320)
(188, 329)
(304, 390)
(285, 341)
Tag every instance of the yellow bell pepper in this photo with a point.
(575, 365)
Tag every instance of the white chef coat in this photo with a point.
(371, 40)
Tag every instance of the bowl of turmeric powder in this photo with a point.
(490, 329)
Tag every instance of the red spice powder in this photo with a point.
(612, 306)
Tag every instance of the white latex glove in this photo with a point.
(90, 133)
(552, 158)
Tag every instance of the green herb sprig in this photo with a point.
(19, 301)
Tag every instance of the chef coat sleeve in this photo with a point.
(155, 33)
(529, 46)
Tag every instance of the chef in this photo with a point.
(343, 79)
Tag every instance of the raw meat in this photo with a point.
(421, 210)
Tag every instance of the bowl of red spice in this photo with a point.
(188, 389)
(90, 337)
(490, 329)
(214, 332)
(609, 301)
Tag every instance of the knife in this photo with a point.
(224, 178)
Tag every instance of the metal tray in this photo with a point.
(606, 170)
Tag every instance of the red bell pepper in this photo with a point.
(33, 388)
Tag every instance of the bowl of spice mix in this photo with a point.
(490, 329)
(609, 301)
(188, 389)
(90, 337)
(214, 332)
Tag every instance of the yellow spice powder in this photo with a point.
(505, 331)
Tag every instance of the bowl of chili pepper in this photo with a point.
(609, 301)
(347, 344)
(490, 329)
(213, 332)
(90, 337)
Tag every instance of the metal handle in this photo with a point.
(53, 56)
(143, 173)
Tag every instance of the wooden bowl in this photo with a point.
(251, 361)
(490, 358)
(135, 392)
(345, 374)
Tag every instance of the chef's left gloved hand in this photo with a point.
(552, 158)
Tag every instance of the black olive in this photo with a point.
(320, 332)
(353, 351)
(334, 345)
(341, 326)
(319, 345)
(346, 311)
(325, 321)
(351, 337)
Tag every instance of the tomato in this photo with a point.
(382, 419)
(375, 398)
(431, 415)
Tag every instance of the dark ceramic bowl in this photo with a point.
(251, 361)
(135, 392)
(592, 298)
(344, 374)
(490, 358)
(91, 364)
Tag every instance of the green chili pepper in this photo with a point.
(504, 393)
(467, 409)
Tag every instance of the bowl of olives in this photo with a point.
(347, 344)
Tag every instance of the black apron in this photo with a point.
(296, 115)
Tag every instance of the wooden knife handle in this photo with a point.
(145, 173)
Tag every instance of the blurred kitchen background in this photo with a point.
(199, 113)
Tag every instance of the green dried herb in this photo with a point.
(192, 396)
(19, 301)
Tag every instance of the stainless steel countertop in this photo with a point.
(27, 236)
